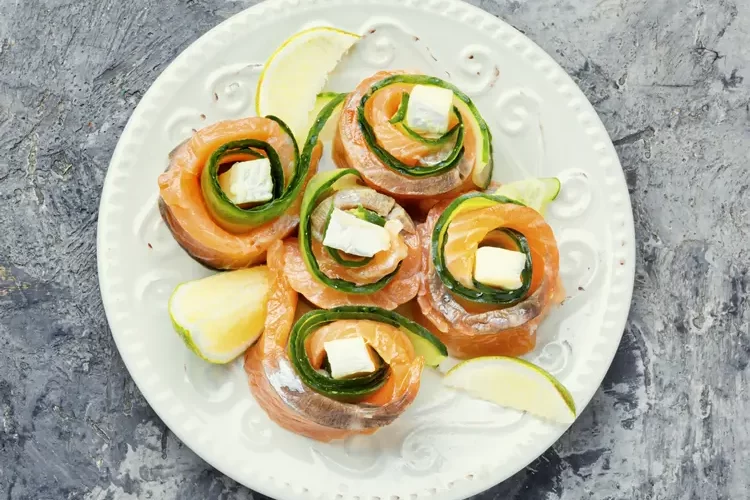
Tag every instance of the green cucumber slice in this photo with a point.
(428, 346)
(553, 186)
(346, 389)
(324, 98)
(400, 114)
(368, 215)
(321, 184)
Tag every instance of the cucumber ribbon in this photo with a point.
(237, 219)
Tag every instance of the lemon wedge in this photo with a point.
(297, 72)
(220, 316)
(535, 193)
(514, 383)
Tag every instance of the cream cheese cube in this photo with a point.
(355, 236)
(248, 182)
(394, 227)
(429, 109)
(499, 267)
(349, 357)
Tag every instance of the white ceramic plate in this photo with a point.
(446, 445)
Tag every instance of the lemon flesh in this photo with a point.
(297, 72)
(220, 316)
(534, 193)
(514, 383)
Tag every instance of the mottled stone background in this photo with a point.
(671, 420)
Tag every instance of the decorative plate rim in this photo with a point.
(157, 393)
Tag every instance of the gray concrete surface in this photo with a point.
(672, 419)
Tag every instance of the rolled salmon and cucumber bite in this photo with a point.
(490, 274)
(233, 189)
(329, 374)
(356, 246)
(414, 136)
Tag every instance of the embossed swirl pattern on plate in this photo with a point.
(387, 44)
(182, 124)
(355, 456)
(232, 89)
(477, 70)
(579, 259)
(555, 357)
(256, 429)
(575, 195)
(152, 289)
(519, 131)
(427, 447)
(214, 385)
(149, 228)
(517, 111)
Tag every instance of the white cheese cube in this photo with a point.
(248, 182)
(499, 267)
(394, 226)
(349, 357)
(355, 236)
(429, 109)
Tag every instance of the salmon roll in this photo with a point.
(233, 189)
(414, 137)
(356, 246)
(491, 275)
(333, 373)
